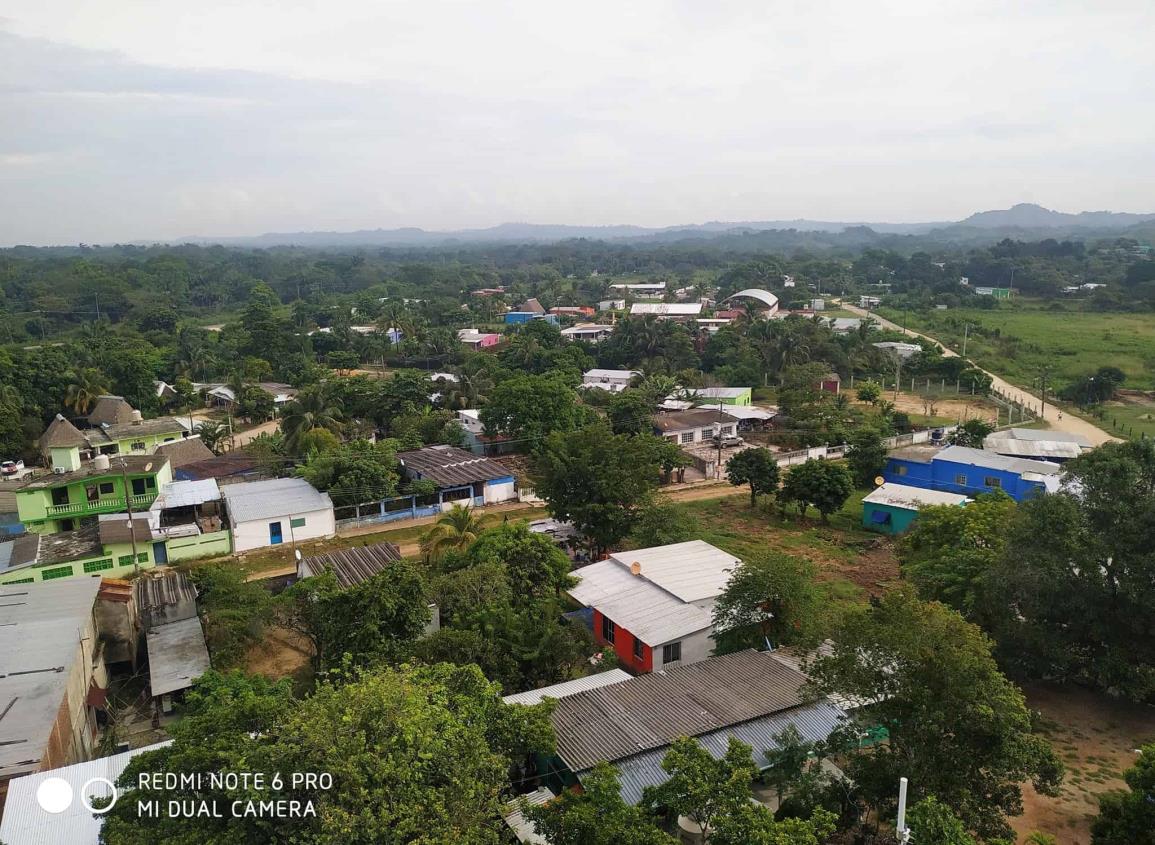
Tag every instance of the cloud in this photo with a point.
(157, 119)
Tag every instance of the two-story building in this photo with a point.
(654, 606)
(967, 471)
(136, 437)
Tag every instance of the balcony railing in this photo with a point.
(102, 506)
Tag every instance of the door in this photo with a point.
(138, 486)
(274, 533)
(160, 553)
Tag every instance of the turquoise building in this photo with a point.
(891, 508)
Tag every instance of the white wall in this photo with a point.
(504, 491)
(255, 534)
(695, 648)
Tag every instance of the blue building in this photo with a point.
(513, 318)
(960, 469)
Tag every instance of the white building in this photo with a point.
(614, 381)
(695, 426)
(275, 511)
(589, 332)
(654, 606)
(612, 305)
(902, 350)
(667, 310)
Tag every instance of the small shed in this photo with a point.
(891, 508)
(831, 383)
(177, 656)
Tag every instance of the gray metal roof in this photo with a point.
(116, 529)
(25, 823)
(1043, 434)
(651, 711)
(177, 655)
(449, 466)
(183, 494)
(992, 460)
(19, 551)
(41, 636)
(691, 571)
(813, 721)
(1032, 449)
(686, 420)
(601, 679)
(523, 828)
(274, 497)
(160, 589)
(911, 498)
(351, 566)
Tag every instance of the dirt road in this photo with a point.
(1051, 413)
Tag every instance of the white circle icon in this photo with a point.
(85, 796)
(54, 795)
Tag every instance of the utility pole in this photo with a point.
(901, 830)
(1044, 373)
(966, 332)
(897, 374)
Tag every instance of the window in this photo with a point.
(138, 486)
(671, 653)
(150, 483)
(142, 557)
(19, 581)
(992, 481)
(727, 430)
(687, 437)
(297, 522)
(98, 565)
(58, 572)
(124, 560)
(639, 649)
(138, 446)
(707, 433)
(91, 493)
(106, 487)
(607, 630)
(901, 469)
(961, 480)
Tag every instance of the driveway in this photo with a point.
(1051, 413)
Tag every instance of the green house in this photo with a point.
(891, 508)
(727, 395)
(114, 434)
(75, 494)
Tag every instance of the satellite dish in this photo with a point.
(297, 554)
(879, 481)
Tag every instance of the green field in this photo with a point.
(1017, 342)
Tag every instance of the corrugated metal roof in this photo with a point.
(686, 420)
(601, 679)
(177, 655)
(813, 721)
(991, 460)
(449, 466)
(667, 309)
(1043, 434)
(39, 640)
(256, 500)
(651, 711)
(523, 828)
(722, 392)
(1032, 449)
(186, 451)
(351, 566)
(19, 551)
(743, 412)
(608, 375)
(691, 571)
(159, 589)
(116, 529)
(644, 609)
(184, 494)
(25, 823)
(911, 498)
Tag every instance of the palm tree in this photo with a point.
(88, 383)
(213, 434)
(456, 529)
(313, 408)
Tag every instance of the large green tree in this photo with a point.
(354, 472)
(770, 598)
(866, 456)
(599, 480)
(529, 407)
(821, 484)
(940, 695)
(757, 467)
(1128, 817)
(1074, 594)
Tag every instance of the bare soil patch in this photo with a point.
(1097, 737)
(281, 654)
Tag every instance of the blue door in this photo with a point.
(274, 533)
(160, 553)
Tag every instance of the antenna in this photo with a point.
(902, 831)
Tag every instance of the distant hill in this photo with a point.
(1027, 215)
(1023, 220)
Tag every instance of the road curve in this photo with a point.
(1051, 413)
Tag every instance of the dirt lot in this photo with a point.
(282, 654)
(953, 408)
(1096, 736)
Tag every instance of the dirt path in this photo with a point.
(1050, 413)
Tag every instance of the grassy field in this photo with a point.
(1072, 343)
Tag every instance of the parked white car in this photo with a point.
(11, 467)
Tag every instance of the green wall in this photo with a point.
(900, 518)
(202, 545)
(115, 562)
(32, 505)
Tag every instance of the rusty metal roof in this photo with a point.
(685, 420)
(351, 566)
(448, 466)
(651, 711)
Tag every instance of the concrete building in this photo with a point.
(960, 469)
(739, 396)
(460, 476)
(902, 350)
(891, 508)
(748, 696)
(653, 606)
(275, 511)
(516, 318)
(613, 381)
(588, 332)
(694, 426)
(477, 340)
(680, 311)
(53, 678)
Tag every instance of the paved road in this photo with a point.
(1051, 413)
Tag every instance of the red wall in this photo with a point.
(624, 647)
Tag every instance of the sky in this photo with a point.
(155, 119)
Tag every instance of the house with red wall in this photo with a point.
(654, 606)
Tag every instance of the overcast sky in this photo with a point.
(136, 119)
